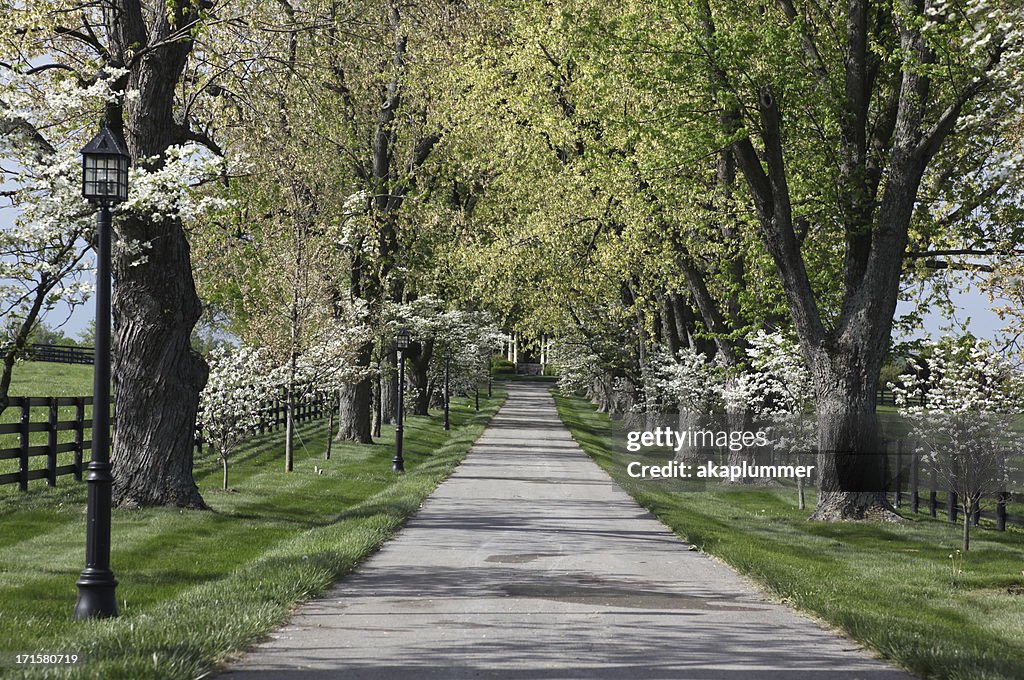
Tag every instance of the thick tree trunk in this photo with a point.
(418, 370)
(377, 406)
(354, 417)
(740, 419)
(389, 387)
(157, 376)
(851, 458)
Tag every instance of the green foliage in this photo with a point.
(502, 367)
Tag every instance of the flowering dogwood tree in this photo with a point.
(65, 67)
(778, 391)
(467, 337)
(689, 382)
(962, 427)
(328, 364)
(242, 381)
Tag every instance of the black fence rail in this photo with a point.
(52, 416)
(273, 415)
(59, 354)
(886, 397)
(26, 452)
(914, 483)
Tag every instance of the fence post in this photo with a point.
(915, 497)
(23, 445)
(898, 494)
(51, 444)
(79, 435)
(951, 508)
(933, 503)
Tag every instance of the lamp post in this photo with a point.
(402, 343)
(105, 162)
(447, 366)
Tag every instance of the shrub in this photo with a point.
(503, 367)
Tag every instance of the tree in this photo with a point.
(965, 426)
(779, 392)
(860, 149)
(241, 383)
(139, 48)
(42, 253)
(129, 55)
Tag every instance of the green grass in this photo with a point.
(197, 586)
(889, 586)
(45, 379)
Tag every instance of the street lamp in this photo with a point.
(402, 343)
(447, 367)
(105, 162)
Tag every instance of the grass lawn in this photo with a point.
(197, 586)
(889, 586)
(46, 379)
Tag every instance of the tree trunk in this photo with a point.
(157, 375)
(224, 465)
(289, 428)
(419, 368)
(969, 506)
(740, 419)
(354, 417)
(21, 337)
(378, 410)
(389, 386)
(330, 431)
(850, 460)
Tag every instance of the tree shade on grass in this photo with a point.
(892, 587)
(197, 586)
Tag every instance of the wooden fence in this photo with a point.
(60, 354)
(272, 418)
(886, 397)
(273, 415)
(52, 426)
(908, 488)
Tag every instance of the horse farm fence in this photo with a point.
(59, 430)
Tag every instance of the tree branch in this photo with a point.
(932, 140)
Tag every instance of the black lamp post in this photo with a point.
(105, 162)
(447, 366)
(402, 343)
